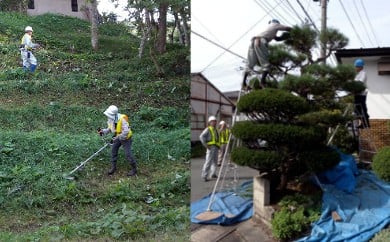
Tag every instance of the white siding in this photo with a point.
(378, 97)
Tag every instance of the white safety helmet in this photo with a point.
(222, 122)
(28, 28)
(111, 111)
(212, 118)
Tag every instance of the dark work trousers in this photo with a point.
(361, 109)
(126, 147)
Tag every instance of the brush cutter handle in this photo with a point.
(89, 158)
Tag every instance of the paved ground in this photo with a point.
(244, 231)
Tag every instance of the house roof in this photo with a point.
(213, 86)
(385, 51)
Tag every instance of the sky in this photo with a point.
(108, 7)
(232, 23)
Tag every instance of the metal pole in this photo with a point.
(83, 163)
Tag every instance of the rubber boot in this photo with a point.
(33, 67)
(113, 168)
(133, 171)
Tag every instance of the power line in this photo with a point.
(369, 22)
(364, 25)
(350, 21)
(308, 16)
(268, 9)
(208, 31)
(241, 37)
(216, 44)
(296, 13)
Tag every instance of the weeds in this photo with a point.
(49, 122)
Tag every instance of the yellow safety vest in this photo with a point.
(214, 136)
(23, 43)
(224, 136)
(118, 128)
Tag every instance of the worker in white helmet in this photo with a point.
(26, 47)
(210, 139)
(224, 133)
(119, 125)
(258, 53)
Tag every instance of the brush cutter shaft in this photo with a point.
(83, 163)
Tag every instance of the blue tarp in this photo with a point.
(343, 174)
(364, 211)
(233, 207)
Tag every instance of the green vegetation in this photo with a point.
(295, 216)
(49, 120)
(380, 164)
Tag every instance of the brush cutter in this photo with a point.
(69, 177)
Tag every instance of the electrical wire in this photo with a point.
(208, 31)
(269, 9)
(308, 16)
(293, 9)
(363, 24)
(369, 22)
(235, 42)
(350, 21)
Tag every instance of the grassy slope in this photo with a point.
(48, 122)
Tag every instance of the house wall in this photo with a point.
(378, 106)
(58, 7)
(207, 100)
(378, 97)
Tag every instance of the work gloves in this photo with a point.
(100, 131)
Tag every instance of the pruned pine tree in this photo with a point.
(286, 135)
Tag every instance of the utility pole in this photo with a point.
(323, 27)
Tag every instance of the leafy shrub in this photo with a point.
(380, 163)
(295, 216)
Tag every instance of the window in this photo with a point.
(31, 4)
(198, 121)
(75, 7)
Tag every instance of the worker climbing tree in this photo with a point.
(258, 53)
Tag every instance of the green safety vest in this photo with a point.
(224, 136)
(214, 136)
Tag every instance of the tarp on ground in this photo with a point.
(343, 174)
(233, 206)
(364, 211)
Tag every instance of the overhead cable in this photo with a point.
(235, 42)
(350, 21)
(296, 13)
(364, 25)
(218, 45)
(308, 16)
(369, 22)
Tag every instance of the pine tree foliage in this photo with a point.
(287, 131)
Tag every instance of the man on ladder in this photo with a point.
(360, 99)
(258, 49)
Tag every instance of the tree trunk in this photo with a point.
(187, 38)
(161, 40)
(145, 28)
(94, 26)
(180, 28)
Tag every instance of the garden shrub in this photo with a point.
(295, 216)
(381, 163)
